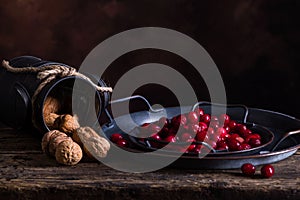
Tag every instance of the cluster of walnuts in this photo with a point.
(66, 138)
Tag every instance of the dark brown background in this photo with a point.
(255, 44)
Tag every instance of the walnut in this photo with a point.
(83, 133)
(50, 119)
(67, 123)
(51, 105)
(76, 137)
(68, 153)
(54, 142)
(46, 140)
(94, 145)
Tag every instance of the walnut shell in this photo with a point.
(46, 140)
(68, 153)
(56, 141)
(76, 137)
(50, 119)
(67, 123)
(85, 133)
(51, 105)
(94, 145)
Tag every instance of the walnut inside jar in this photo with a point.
(51, 105)
(50, 120)
(67, 123)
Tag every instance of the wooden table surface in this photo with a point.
(26, 173)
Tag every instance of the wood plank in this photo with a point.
(26, 173)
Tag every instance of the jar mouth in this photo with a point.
(75, 96)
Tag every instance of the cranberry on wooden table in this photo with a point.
(267, 171)
(248, 169)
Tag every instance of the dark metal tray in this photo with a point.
(276, 122)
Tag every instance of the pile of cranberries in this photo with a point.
(220, 132)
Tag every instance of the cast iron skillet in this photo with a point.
(276, 123)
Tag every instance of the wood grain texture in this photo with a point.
(26, 173)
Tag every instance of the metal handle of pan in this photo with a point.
(137, 97)
(288, 134)
(110, 123)
(243, 108)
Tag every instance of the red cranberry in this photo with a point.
(156, 136)
(179, 120)
(267, 171)
(221, 132)
(199, 112)
(234, 136)
(226, 137)
(245, 133)
(170, 138)
(214, 125)
(210, 132)
(191, 148)
(173, 131)
(145, 124)
(213, 144)
(241, 128)
(245, 146)
(227, 128)
(191, 140)
(154, 128)
(201, 136)
(237, 137)
(116, 137)
(225, 119)
(214, 119)
(164, 132)
(232, 124)
(163, 122)
(122, 143)
(254, 142)
(202, 126)
(193, 118)
(233, 144)
(205, 118)
(185, 127)
(198, 148)
(252, 136)
(194, 128)
(255, 135)
(214, 137)
(222, 145)
(186, 137)
(248, 169)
